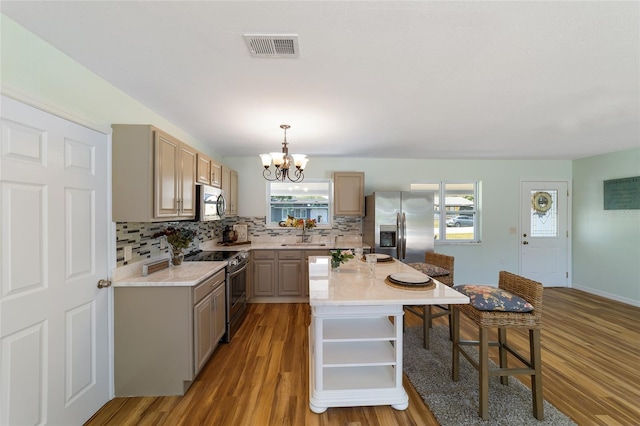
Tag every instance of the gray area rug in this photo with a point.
(456, 403)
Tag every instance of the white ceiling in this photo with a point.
(418, 79)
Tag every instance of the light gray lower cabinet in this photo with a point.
(265, 272)
(282, 273)
(209, 325)
(290, 273)
(164, 335)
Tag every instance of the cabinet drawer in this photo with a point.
(207, 286)
(290, 255)
(264, 254)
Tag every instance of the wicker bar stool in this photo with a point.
(531, 292)
(440, 267)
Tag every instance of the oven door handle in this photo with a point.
(234, 273)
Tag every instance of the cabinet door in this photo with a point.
(219, 308)
(225, 185)
(348, 193)
(167, 172)
(188, 163)
(264, 277)
(203, 319)
(204, 170)
(290, 273)
(216, 174)
(233, 192)
(290, 278)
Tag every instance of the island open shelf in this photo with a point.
(355, 358)
(355, 335)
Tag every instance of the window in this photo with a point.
(310, 199)
(458, 219)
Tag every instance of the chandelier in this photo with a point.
(287, 166)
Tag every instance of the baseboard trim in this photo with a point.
(276, 299)
(607, 295)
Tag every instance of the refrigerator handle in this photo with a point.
(398, 236)
(404, 236)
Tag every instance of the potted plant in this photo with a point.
(179, 239)
(339, 257)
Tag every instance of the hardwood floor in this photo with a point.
(590, 354)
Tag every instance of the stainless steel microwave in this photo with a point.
(210, 203)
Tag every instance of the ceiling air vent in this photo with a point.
(272, 45)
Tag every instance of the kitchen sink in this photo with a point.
(303, 244)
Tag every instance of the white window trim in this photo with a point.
(441, 193)
(329, 225)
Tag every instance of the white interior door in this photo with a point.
(544, 238)
(54, 320)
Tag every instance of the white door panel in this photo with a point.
(53, 320)
(544, 242)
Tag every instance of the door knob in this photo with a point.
(525, 242)
(104, 283)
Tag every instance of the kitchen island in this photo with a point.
(355, 336)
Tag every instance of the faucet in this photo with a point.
(304, 228)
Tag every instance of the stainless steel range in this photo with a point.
(236, 284)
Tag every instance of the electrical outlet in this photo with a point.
(128, 253)
(513, 230)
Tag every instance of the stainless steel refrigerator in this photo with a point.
(399, 224)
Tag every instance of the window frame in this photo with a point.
(441, 193)
(328, 182)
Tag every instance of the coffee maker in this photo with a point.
(229, 235)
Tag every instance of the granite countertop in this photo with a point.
(282, 245)
(352, 286)
(186, 275)
(191, 273)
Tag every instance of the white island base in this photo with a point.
(355, 336)
(355, 357)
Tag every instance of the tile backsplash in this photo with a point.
(140, 235)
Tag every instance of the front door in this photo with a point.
(544, 237)
(54, 348)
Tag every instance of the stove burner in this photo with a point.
(209, 256)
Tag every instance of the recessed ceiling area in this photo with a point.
(392, 79)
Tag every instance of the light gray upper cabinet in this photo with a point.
(348, 193)
(153, 176)
(209, 172)
(203, 174)
(229, 185)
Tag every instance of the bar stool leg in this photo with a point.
(483, 370)
(536, 378)
(450, 307)
(426, 325)
(502, 341)
(455, 354)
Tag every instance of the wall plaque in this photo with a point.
(622, 194)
